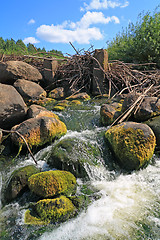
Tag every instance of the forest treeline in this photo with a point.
(139, 42)
(10, 46)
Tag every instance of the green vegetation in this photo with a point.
(139, 42)
(10, 46)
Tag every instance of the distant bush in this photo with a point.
(140, 42)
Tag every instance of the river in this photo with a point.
(127, 206)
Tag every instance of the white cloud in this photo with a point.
(32, 40)
(104, 4)
(125, 4)
(57, 34)
(79, 32)
(31, 21)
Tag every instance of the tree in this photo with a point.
(139, 42)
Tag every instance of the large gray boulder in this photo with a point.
(13, 70)
(132, 143)
(29, 90)
(12, 107)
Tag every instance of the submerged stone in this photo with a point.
(132, 143)
(18, 181)
(74, 155)
(51, 183)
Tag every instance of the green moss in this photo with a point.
(51, 183)
(58, 108)
(55, 210)
(130, 146)
(29, 218)
(75, 102)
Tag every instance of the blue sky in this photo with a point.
(53, 23)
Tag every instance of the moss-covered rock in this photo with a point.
(109, 112)
(51, 183)
(75, 102)
(30, 218)
(44, 102)
(55, 210)
(74, 155)
(38, 131)
(57, 93)
(18, 181)
(79, 96)
(39, 111)
(132, 143)
(58, 108)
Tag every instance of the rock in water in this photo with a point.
(74, 155)
(38, 131)
(132, 143)
(12, 107)
(55, 210)
(51, 183)
(18, 182)
(39, 111)
(13, 70)
(154, 124)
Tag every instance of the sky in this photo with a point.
(54, 23)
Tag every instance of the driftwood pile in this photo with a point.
(76, 72)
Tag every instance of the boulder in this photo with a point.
(29, 90)
(18, 182)
(55, 210)
(132, 143)
(39, 111)
(51, 183)
(109, 112)
(74, 155)
(13, 70)
(154, 124)
(38, 131)
(44, 102)
(79, 96)
(12, 107)
(150, 107)
(57, 93)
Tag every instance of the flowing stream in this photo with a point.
(127, 206)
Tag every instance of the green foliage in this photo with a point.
(10, 46)
(140, 42)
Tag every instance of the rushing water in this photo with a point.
(128, 206)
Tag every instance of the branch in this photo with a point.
(11, 131)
